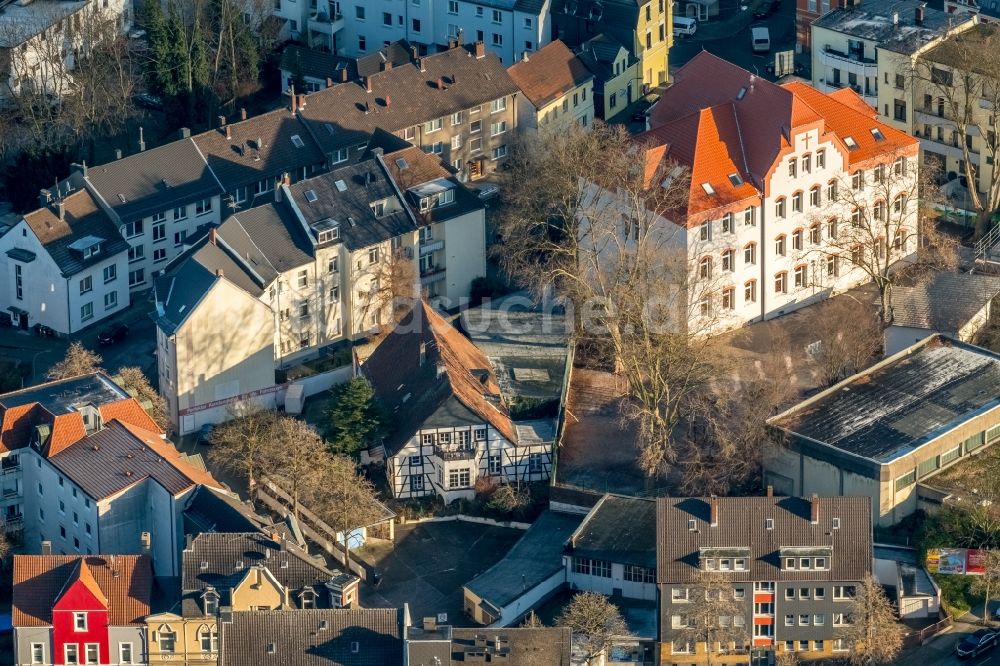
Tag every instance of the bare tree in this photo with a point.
(135, 382)
(988, 582)
(346, 500)
(787, 659)
(78, 361)
(303, 460)
(392, 292)
(873, 634)
(531, 621)
(595, 622)
(712, 615)
(956, 83)
(845, 335)
(245, 443)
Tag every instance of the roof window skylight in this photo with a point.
(709, 190)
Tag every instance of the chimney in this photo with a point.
(919, 15)
(118, 153)
(480, 49)
(184, 133)
(219, 272)
(222, 121)
(142, 142)
(329, 81)
(343, 75)
(286, 179)
(243, 113)
(302, 102)
(430, 623)
(46, 547)
(188, 541)
(44, 197)
(423, 352)
(387, 101)
(458, 37)
(770, 491)
(211, 236)
(368, 84)
(413, 53)
(814, 506)
(387, 65)
(294, 99)
(61, 208)
(524, 57)
(452, 43)
(80, 168)
(229, 133)
(441, 85)
(714, 503)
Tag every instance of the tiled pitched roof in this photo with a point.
(85, 576)
(82, 218)
(599, 54)
(321, 65)
(154, 180)
(270, 237)
(346, 115)
(243, 153)
(549, 73)
(221, 560)
(128, 411)
(126, 581)
(412, 388)
(946, 302)
(215, 510)
(120, 455)
(314, 637)
(741, 523)
(67, 429)
(418, 168)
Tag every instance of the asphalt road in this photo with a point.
(736, 47)
(941, 650)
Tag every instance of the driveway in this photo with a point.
(430, 562)
(940, 651)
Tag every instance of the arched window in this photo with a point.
(705, 267)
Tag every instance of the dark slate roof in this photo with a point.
(298, 638)
(191, 275)
(618, 529)
(533, 559)
(741, 524)
(82, 219)
(542, 646)
(154, 180)
(309, 62)
(873, 21)
(118, 456)
(945, 303)
(892, 408)
(321, 65)
(222, 560)
(245, 152)
(404, 96)
(397, 53)
(363, 183)
(599, 53)
(212, 510)
(270, 237)
(617, 18)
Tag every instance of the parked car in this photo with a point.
(760, 39)
(205, 434)
(43, 331)
(767, 9)
(685, 26)
(488, 191)
(976, 643)
(147, 101)
(112, 334)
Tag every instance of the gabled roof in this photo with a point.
(315, 637)
(549, 73)
(82, 220)
(56, 405)
(215, 510)
(423, 363)
(243, 153)
(944, 303)
(742, 523)
(270, 237)
(346, 115)
(121, 455)
(221, 560)
(410, 167)
(321, 65)
(599, 54)
(345, 196)
(154, 180)
(83, 575)
(124, 581)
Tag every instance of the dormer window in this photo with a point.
(327, 231)
(92, 251)
(308, 598)
(210, 601)
(378, 207)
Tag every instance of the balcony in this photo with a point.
(431, 273)
(9, 467)
(454, 454)
(431, 246)
(326, 25)
(849, 62)
(13, 523)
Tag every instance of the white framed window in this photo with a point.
(92, 653)
(38, 653)
(133, 229)
(498, 105)
(821, 158)
(678, 594)
(500, 152)
(432, 126)
(203, 206)
(456, 142)
(496, 129)
(71, 654)
(86, 284)
(110, 300)
(495, 465)
(86, 313)
(180, 213)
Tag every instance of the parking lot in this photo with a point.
(940, 651)
(430, 562)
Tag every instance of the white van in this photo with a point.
(684, 26)
(761, 39)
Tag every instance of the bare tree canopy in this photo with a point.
(298, 458)
(595, 622)
(244, 444)
(346, 500)
(845, 335)
(873, 634)
(714, 614)
(78, 361)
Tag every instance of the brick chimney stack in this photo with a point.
(294, 99)
(243, 113)
(480, 49)
(387, 65)
(814, 512)
(211, 236)
(714, 504)
(368, 84)
(329, 82)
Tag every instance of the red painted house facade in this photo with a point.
(71, 610)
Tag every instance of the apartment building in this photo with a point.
(883, 432)
(644, 27)
(793, 564)
(322, 264)
(988, 11)
(784, 179)
(226, 573)
(49, 417)
(120, 489)
(451, 423)
(356, 29)
(459, 104)
(869, 46)
(616, 74)
(68, 609)
(66, 263)
(556, 90)
(39, 42)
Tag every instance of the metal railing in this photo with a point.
(985, 244)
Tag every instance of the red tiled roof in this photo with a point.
(125, 581)
(18, 423)
(66, 430)
(549, 73)
(128, 411)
